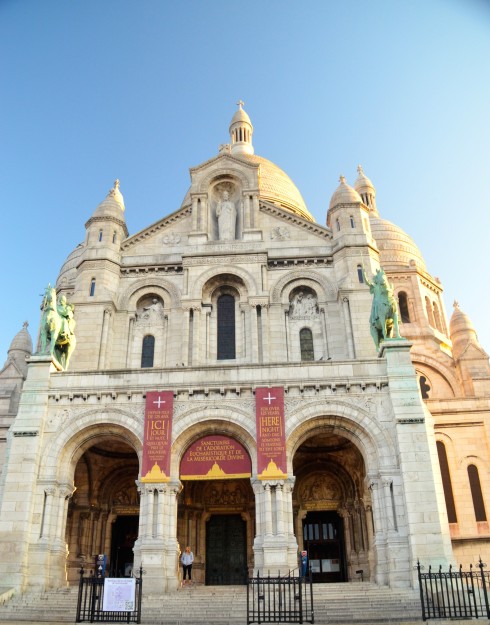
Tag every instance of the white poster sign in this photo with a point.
(119, 594)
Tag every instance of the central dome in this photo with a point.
(277, 187)
(274, 184)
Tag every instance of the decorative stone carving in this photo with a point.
(280, 233)
(172, 239)
(224, 494)
(304, 306)
(150, 313)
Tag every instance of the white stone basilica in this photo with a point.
(239, 289)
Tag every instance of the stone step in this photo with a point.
(358, 602)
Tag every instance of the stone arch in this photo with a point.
(419, 360)
(325, 288)
(160, 286)
(80, 432)
(232, 171)
(349, 421)
(247, 279)
(199, 422)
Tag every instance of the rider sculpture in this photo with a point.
(384, 311)
(57, 328)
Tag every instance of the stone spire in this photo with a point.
(241, 131)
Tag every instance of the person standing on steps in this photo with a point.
(187, 559)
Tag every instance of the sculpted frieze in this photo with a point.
(224, 260)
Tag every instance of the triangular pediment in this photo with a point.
(293, 221)
(161, 227)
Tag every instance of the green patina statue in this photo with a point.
(384, 311)
(57, 327)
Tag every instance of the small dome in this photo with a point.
(68, 271)
(22, 341)
(461, 326)
(240, 116)
(363, 183)
(112, 205)
(394, 244)
(344, 194)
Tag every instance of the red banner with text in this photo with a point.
(215, 458)
(158, 436)
(271, 436)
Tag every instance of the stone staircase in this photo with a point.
(357, 602)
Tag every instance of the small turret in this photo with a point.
(20, 349)
(107, 225)
(471, 359)
(366, 190)
(241, 131)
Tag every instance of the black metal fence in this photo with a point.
(91, 598)
(454, 594)
(282, 599)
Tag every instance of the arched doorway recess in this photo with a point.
(332, 511)
(103, 514)
(216, 510)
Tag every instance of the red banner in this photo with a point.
(158, 436)
(271, 436)
(215, 458)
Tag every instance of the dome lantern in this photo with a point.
(366, 190)
(241, 131)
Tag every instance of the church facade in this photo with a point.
(284, 428)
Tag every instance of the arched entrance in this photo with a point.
(103, 513)
(216, 510)
(332, 517)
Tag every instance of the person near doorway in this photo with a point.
(187, 559)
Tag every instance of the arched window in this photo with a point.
(147, 351)
(437, 317)
(403, 305)
(476, 494)
(352, 222)
(337, 223)
(430, 314)
(446, 483)
(226, 327)
(425, 387)
(100, 235)
(114, 236)
(359, 274)
(92, 287)
(306, 344)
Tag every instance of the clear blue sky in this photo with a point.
(142, 90)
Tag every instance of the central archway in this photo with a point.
(216, 511)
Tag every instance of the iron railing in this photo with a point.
(91, 597)
(281, 599)
(454, 594)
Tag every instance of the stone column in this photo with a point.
(104, 338)
(348, 327)
(156, 548)
(275, 548)
(130, 340)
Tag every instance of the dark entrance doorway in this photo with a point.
(323, 539)
(226, 550)
(124, 535)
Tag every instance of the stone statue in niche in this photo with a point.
(226, 214)
(303, 306)
(150, 313)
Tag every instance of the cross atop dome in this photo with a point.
(241, 103)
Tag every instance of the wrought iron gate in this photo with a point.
(454, 594)
(287, 599)
(90, 602)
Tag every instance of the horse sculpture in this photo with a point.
(384, 311)
(57, 327)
